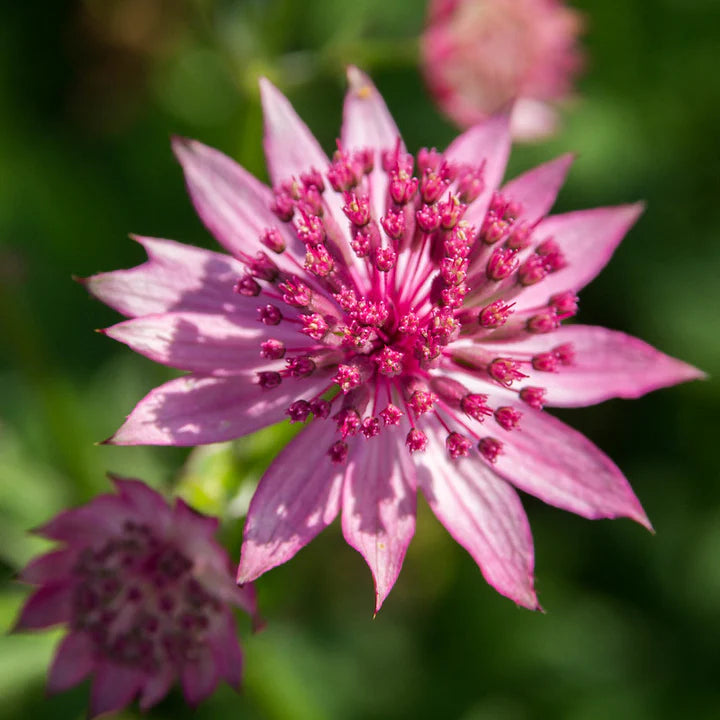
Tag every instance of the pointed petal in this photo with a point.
(489, 141)
(538, 188)
(74, 660)
(204, 343)
(367, 123)
(198, 409)
(298, 496)
(87, 524)
(146, 503)
(226, 652)
(233, 204)
(114, 686)
(606, 364)
(50, 567)
(548, 459)
(378, 507)
(199, 678)
(484, 515)
(175, 277)
(49, 605)
(156, 687)
(290, 147)
(587, 239)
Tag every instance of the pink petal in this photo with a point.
(290, 147)
(89, 523)
(378, 507)
(74, 660)
(484, 515)
(488, 141)
(537, 189)
(226, 652)
(298, 496)
(557, 464)
(587, 239)
(175, 277)
(50, 567)
(114, 686)
(199, 678)
(146, 503)
(197, 409)
(49, 605)
(202, 342)
(367, 123)
(156, 687)
(607, 364)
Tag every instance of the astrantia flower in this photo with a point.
(479, 55)
(146, 594)
(409, 313)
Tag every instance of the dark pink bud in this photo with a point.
(320, 408)
(451, 211)
(263, 268)
(505, 371)
(269, 380)
(273, 240)
(301, 366)
(318, 261)
(453, 296)
(298, 411)
(346, 299)
(310, 229)
(507, 417)
(493, 229)
(389, 361)
(545, 362)
(490, 448)
(247, 286)
(402, 187)
(347, 377)
(544, 322)
(443, 325)
(429, 159)
(470, 183)
(391, 415)
(348, 422)
(338, 452)
(457, 445)
(531, 271)
(432, 186)
(416, 440)
(475, 405)
(502, 264)
(393, 223)
(385, 259)
(314, 326)
(519, 237)
(459, 241)
(296, 292)
(533, 396)
(427, 218)
(565, 354)
(283, 206)
(269, 315)
(495, 315)
(365, 239)
(313, 179)
(453, 270)
(408, 324)
(422, 401)
(272, 349)
(357, 208)
(566, 304)
(365, 160)
(370, 427)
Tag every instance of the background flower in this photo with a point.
(481, 55)
(146, 596)
(634, 616)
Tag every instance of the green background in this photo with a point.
(90, 92)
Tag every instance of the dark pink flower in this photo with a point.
(479, 56)
(146, 594)
(433, 362)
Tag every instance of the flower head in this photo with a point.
(431, 365)
(146, 595)
(481, 55)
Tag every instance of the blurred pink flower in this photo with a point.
(479, 56)
(146, 593)
(415, 314)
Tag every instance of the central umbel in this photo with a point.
(379, 305)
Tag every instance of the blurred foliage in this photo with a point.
(90, 90)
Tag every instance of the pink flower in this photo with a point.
(415, 312)
(146, 594)
(481, 55)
